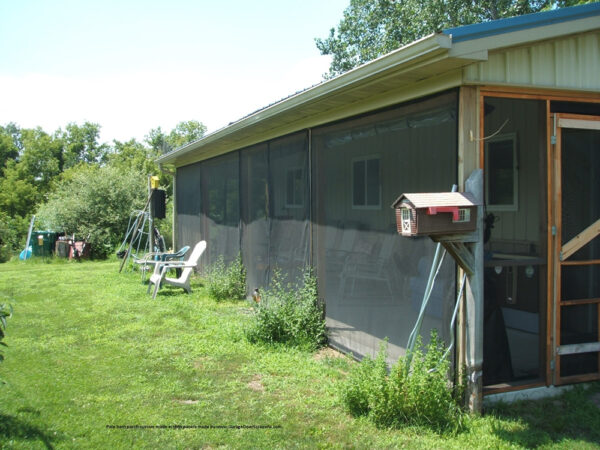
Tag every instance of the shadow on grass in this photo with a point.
(167, 290)
(574, 416)
(15, 428)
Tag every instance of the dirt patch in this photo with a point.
(328, 352)
(187, 402)
(201, 362)
(256, 384)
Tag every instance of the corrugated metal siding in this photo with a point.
(568, 63)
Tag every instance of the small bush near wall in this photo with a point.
(419, 396)
(290, 314)
(227, 281)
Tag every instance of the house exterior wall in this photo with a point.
(371, 279)
(557, 69)
(572, 62)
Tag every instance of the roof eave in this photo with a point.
(422, 49)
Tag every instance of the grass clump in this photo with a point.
(226, 281)
(418, 394)
(290, 314)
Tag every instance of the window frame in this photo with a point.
(514, 205)
(289, 171)
(365, 159)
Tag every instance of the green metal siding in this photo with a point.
(568, 63)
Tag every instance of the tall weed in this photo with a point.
(418, 395)
(289, 314)
(226, 281)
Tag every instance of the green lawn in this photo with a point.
(89, 352)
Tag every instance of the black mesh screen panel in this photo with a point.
(372, 279)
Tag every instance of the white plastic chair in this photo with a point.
(159, 277)
(154, 258)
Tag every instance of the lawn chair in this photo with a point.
(154, 258)
(159, 277)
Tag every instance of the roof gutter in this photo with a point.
(421, 49)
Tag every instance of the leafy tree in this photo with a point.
(40, 158)
(183, 133)
(95, 203)
(13, 232)
(160, 143)
(133, 155)
(8, 149)
(13, 130)
(371, 28)
(90, 187)
(81, 145)
(18, 192)
(186, 132)
(157, 140)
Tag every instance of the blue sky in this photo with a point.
(134, 65)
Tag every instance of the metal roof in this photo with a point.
(431, 64)
(437, 199)
(524, 22)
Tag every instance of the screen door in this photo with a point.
(577, 196)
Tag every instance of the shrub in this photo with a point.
(94, 203)
(13, 232)
(227, 281)
(418, 395)
(290, 314)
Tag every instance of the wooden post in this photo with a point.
(474, 304)
(469, 159)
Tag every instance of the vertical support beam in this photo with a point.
(174, 235)
(548, 343)
(468, 133)
(310, 199)
(474, 304)
(469, 126)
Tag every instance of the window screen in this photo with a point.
(221, 208)
(188, 199)
(258, 201)
(371, 278)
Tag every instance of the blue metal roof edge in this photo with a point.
(527, 21)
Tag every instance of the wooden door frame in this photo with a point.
(553, 197)
(558, 247)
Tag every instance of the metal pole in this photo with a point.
(151, 222)
(128, 252)
(29, 234)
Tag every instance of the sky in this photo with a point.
(135, 65)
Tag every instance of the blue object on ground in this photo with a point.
(25, 254)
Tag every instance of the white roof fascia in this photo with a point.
(421, 49)
(523, 37)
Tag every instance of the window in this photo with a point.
(464, 215)
(366, 185)
(501, 173)
(294, 196)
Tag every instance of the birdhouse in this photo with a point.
(435, 213)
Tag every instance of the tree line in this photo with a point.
(74, 183)
(372, 28)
